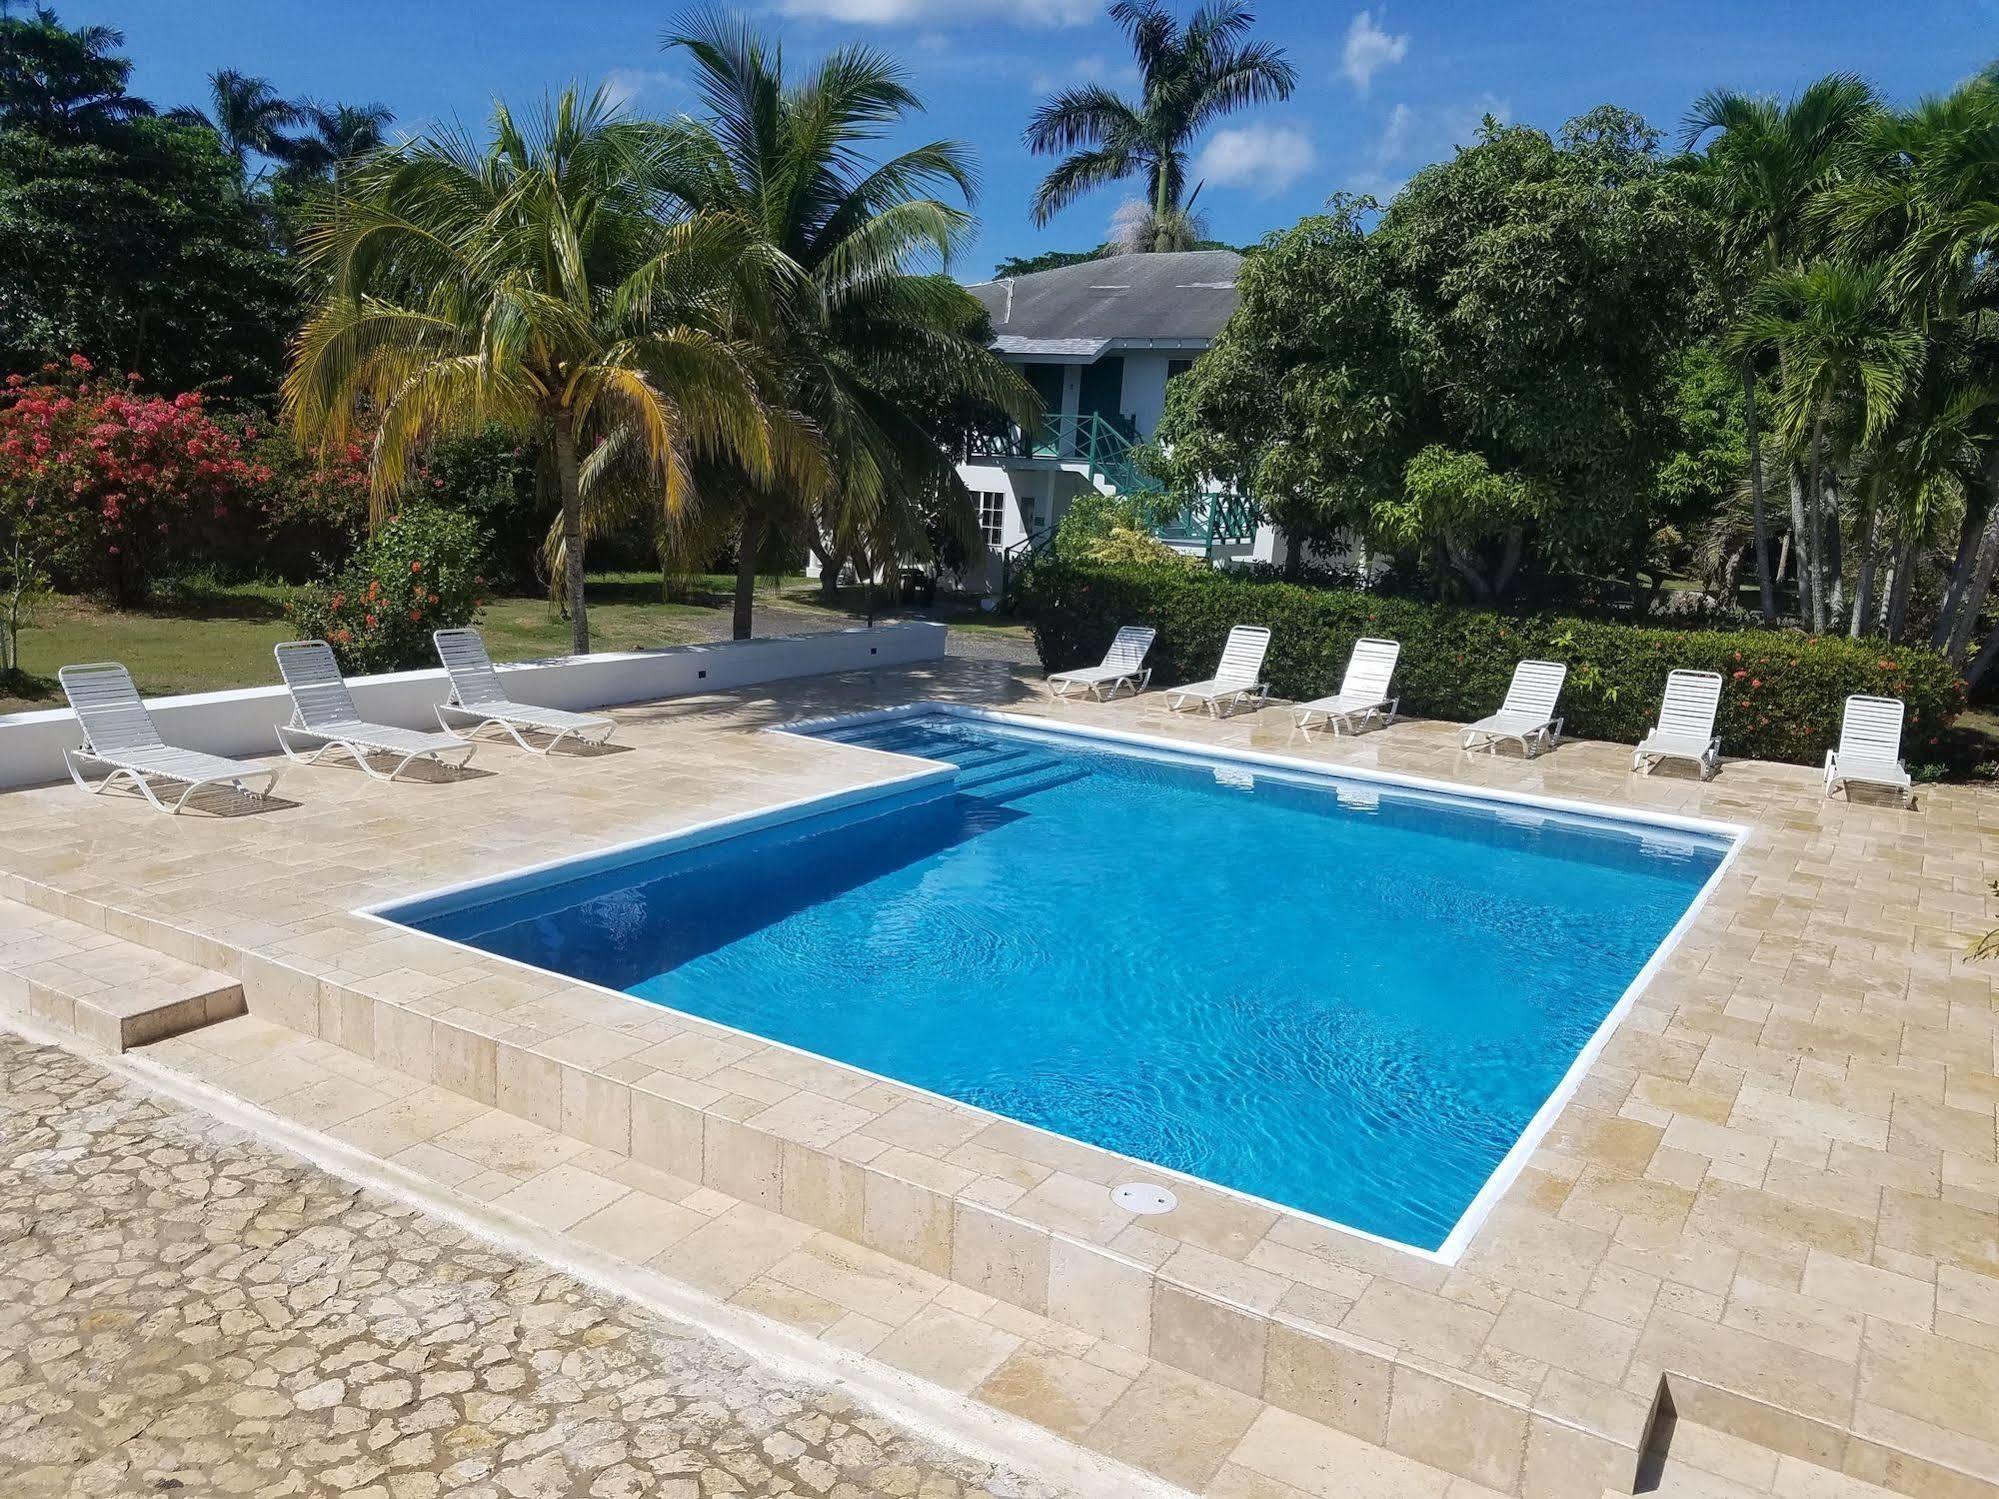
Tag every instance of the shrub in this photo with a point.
(420, 571)
(314, 508)
(490, 476)
(113, 488)
(1782, 698)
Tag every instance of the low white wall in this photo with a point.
(242, 722)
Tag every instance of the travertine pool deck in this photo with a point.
(1773, 1204)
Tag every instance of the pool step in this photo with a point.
(112, 993)
(1020, 781)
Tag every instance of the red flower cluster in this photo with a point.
(113, 483)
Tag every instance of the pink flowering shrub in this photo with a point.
(113, 487)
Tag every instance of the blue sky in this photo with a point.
(1383, 89)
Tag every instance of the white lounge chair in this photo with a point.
(119, 734)
(1238, 677)
(1870, 747)
(1363, 694)
(478, 697)
(1123, 666)
(1528, 714)
(324, 717)
(1685, 730)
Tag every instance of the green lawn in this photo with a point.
(223, 638)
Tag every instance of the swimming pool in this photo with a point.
(1343, 996)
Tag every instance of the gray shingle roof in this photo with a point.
(1180, 298)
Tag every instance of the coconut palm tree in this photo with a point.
(1764, 167)
(1189, 77)
(864, 324)
(539, 282)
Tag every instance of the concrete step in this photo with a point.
(1700, 1462)
(112, 993)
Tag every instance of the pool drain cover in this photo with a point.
(1144, 1197)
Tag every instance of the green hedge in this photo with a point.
(1782, 700)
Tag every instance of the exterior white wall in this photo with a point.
(243, 722)
(1144, 398)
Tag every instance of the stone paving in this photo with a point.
(1773, 1194)
(185, 1310)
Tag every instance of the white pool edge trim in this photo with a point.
(951, 1421)
(716, 829)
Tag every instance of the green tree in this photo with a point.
(1920, 198)
(1189, 77)
(340, 134)
(1766, 164)
(862, 327)
(249, 117)
(534, 283)
(1848, 357)
(63, 84)
(1484, 380)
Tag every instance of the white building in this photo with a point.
(1099, 341)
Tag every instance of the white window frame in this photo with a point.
(992, 515)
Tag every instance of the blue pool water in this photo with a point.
(1342, 997)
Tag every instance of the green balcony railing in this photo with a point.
(1105, 446)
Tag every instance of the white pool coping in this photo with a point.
(940, 773)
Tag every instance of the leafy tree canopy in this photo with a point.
(123, 234)
(1485, 374)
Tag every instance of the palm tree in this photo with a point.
(1922, 198)
(1849, 358)
(862, 325)
(248, 115)
(1767, 164)
(63, 84)
(341, 133)
(538, 283)
(1189, 77)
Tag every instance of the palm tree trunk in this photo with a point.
(569, 479)
(1832, 556)
(1897, 617)
(1960, 576)
(1801, 545)
(1972, 604)
(1765, 585)
(1863, 581)
(1815, 524)
(746, 571)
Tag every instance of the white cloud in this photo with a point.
(1412, 138)
(1264, 158)
(937, 13)
(1091, 67)
(1460, 125)
(623, 86)
(1369, 48)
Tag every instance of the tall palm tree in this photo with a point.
(1922, 198)
(248, 115)
(538, 283)
(63, 83)
(1849, 358)
(340, 134)
(1764, 168)
(863, 324)
(1189, 77)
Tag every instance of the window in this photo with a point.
(992, 515)
(1178, 367)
